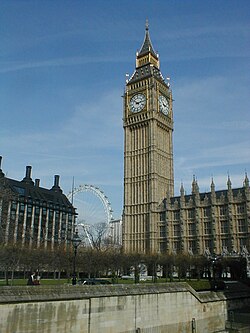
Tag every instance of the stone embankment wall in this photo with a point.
(173, 308)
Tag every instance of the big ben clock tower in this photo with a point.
(148, 150)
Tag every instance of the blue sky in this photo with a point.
(62, 75)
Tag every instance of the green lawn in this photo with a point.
(23, 282)
(195, 284)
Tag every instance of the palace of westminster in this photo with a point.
(154, 220)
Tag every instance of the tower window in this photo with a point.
(207, 228)
(176, 246)
(162, 216)
(208, 245)
(162, 231)
(177, 215)
(242, 226)
(176, 230)
(224, 227)
(240, 209)
(162, 247)
(192, 245)
(243, 241)
(206, 212)
(225, 243)
(223, 210)
(191, 228)
(191, 213)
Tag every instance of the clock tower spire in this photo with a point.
(147, 53)
(148, 150)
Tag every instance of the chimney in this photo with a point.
(28, 172)
(27, 178)
(56, 186)
(56, 180)
(1, 172)
(37, 182)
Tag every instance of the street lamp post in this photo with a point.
(76, 240)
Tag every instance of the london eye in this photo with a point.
(94, 214)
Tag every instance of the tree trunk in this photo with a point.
(12, 277)
(137, 275)
(6, 272)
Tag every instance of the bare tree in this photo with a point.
(134, 260)
(169, 262)
(201, 265)
(10, 256)
(98, 235)
(116, 263)
(86, 261)
(60, 259)
(152, 261)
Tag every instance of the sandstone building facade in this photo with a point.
(154, 220)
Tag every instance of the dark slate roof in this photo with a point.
(147, 45)
(27, 189)
(145, 72)
(149, 69)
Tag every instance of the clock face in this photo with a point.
(163, 104)
(137, 102)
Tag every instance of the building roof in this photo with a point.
(147, 46)
(149, 67)
(145, 72)
(203, 195)
(30, 190)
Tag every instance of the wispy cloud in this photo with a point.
(237, 125)
(207, 30)
(97, 126)
(212, 157)
(57, 62)
(92, 130)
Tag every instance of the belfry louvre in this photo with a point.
(154, 220)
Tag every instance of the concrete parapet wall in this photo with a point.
(173, 308)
